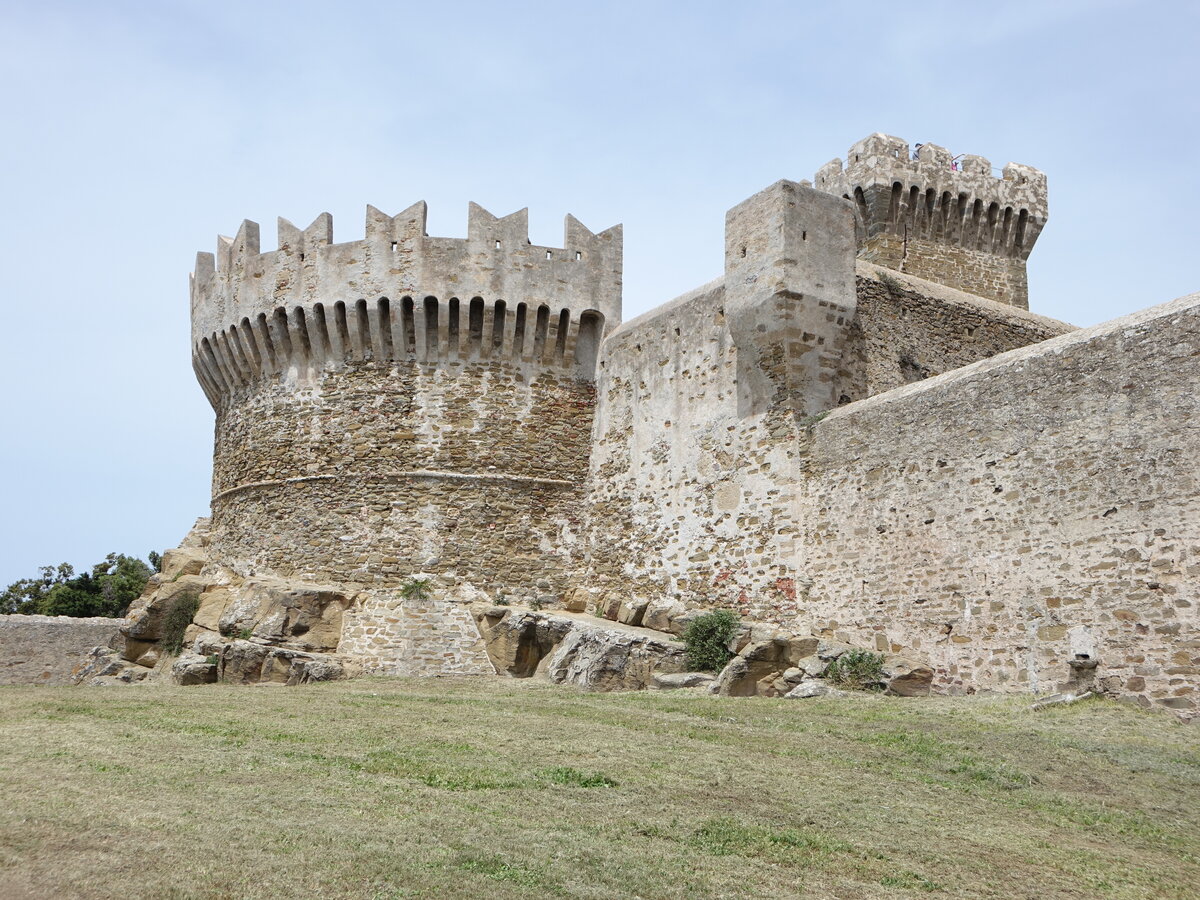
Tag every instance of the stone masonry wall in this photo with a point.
(695, 496)
(368, 473)
(688, 498)
(907, 329)
(46, 649)
(1002, 518)
(999, 278)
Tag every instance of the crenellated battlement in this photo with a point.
(985, 225)
(400, 294)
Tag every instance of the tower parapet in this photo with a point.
(400, 294)
(944, 218)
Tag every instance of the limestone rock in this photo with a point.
(133, 649)
(517, 640)
(809, 689)
(759, 670)
(100, 661)
(905, 677)
(736, 680)
(145, 620)
(631, 611)
(192, 668)
(740, 639)
(150, 658)
(602, 659)
(609, 605)
(664, 681)
(659, 613)
(578, 600)
(309, 670)
(212, 604)
(307, 617)
(182, 561)
(812, 666)
(830, 650)
(679, 623)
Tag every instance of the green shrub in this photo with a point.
(860, 670)
(890, 283)
(415, 589)
(706, 637)
(178, 617)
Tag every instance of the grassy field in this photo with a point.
(492, 788)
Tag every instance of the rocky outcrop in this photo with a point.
(192, 668)
(577, 649)
(605, 659)
(307, 617)
(104, 666)
(773, 663)
(675, 680)
(240, 661)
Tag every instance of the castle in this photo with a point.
(859, 430)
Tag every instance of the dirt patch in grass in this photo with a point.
(386, 788)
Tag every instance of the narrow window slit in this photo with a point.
(560, 339)
(540, 326)
(343, 327)
(452, 328)
(519, 331)
(364, 328)
(498, 317)
(385, 326)
(431, 327)
(321, 327)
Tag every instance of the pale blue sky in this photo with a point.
(135, 132)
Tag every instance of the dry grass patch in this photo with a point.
(465, 788)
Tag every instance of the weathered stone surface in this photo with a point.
(609, 605)
(603, 659)
(47, 649)
(133, 649)
(192, 668)
(580, 650)
(518, 640)
(99, 662)
(182, 561)
(906, 677)
(738, 679)
(660, 613)
(808, 689)
(307, 617)
(812, 666)
(242, 662)
(580, 600)
(145, 620)
(631, 611)
(149, 659)
(212, 606)
(669, 681)
(308, 671)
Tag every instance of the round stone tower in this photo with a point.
(403, 403)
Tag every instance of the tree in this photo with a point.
(105, 591)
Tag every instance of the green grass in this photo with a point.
(462, 788)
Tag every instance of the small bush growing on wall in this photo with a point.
(178, 617)
(706, 637)
(416, 589)
(860, 670)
